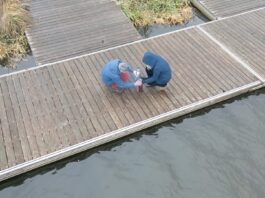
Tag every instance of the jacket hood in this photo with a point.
(149, 59)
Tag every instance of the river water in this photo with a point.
(214, 153)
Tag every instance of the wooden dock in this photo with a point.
(216, 9)
(57, 110)
(64, 29)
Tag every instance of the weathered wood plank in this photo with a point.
(203, 65)
(62, 31)
(93, 118)
(195, 90)
(3, 156)
(11, 159)
(212, 71)
(22, 135)
(57, 120)
(13, 128)
(94, 107)
(116, 97)
(56, 139)
(186, 61)
(74, 104)
(32, 109)
(245, 39)
(227, 8)
(66, 105)
(44, 119)
(97, 92)
(230, 78)
(61, 111)
(26, 118)
(6, 136)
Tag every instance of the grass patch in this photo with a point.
(148, 12)
(14, 20)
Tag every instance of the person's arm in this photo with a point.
(154, 77)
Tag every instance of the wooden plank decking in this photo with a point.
(57, 110)
(225, 8)
(67, 28)
(246, 39)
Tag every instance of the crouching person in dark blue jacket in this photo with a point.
(157, 69)
(119, 76)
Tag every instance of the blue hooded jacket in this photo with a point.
(111, 74)
(160, 67)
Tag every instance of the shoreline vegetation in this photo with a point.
(14, 19)
(148, 12)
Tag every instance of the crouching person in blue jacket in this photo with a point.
(157, 69)
(118, 76)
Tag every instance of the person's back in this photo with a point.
(110, 72)
(165, 70)
(161, 71)
(115, 74)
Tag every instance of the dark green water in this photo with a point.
(215, 153)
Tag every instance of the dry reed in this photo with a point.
(148, 12)
(14, 20)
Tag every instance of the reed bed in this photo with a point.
(148, 12)
(14, 19)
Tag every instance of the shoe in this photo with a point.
(160, 88)
(119, 91)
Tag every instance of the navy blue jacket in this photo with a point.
(160, 68)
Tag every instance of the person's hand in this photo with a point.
(136, 73)
(138, 83)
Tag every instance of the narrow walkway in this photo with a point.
(244, 36)
(67, 28)
(57, 110)
(216, 9)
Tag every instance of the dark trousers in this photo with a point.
(149, 73)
